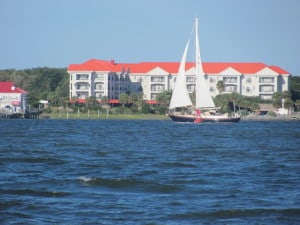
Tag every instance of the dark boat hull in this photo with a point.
(191, 119)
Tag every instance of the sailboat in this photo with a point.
(181, 108)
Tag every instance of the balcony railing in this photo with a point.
(82, 88)
(266, 89)
(266, 80)
(230, 80)
(157, 79)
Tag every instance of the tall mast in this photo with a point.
(203, 97)
(197, 48)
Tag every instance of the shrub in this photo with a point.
(271, 113)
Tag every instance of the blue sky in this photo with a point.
(56, 33)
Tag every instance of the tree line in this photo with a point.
(52, 84)
(41, 83)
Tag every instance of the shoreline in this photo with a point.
(291, 117)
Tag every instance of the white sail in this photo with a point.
(203, 97)
(204, 101)
(180, 96)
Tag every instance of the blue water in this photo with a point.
(149, 172)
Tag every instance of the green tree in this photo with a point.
(164, 98)
(220, 86)
(297, 104)
(91, 101)
(146, 108)
(105, 100)
(277, 100)
(124, 98)
(286, 95)
(295, 87)
(137, 100)
(288, 103)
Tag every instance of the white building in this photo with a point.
(12, 98)
(101, 78)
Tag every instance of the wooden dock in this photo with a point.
(28, 114)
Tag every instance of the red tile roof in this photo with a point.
(170, 67)
(278, 70)
(9, 87)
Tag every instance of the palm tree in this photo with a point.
(297, 104)
(90, 101)
(123, 98)
(220, 86)
(288, 103)
(164, 98)
(286, 94)
(277, 99)
(137, 100)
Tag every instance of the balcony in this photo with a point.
(82, 76)
(230, 80)
(158, 79)
(82, 86)
(266, 88)
(157, 87)
(191, 87)
(190, 80)
(266, 80)
(230, 88)
(99, 86)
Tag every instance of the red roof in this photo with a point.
(9, 87)
(278, 70)
(171, 67)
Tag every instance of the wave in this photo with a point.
(128, 184)
(238, 213)
(85, 179)
(48, 160)
(35, 193)
(177, 164)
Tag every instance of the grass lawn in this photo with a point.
(103, 116)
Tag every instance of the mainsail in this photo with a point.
(181, 99)
(203, 97)
(180, 96)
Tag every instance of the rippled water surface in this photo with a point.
(149, 172)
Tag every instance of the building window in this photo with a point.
(157, 79)
(99, 95)
(99, 87)
(266, 80)
(229, 80)
(82, 86)
(157, 87)
(99, 76)
(248, 80)
(230, 88)
(153, 96)
(190, 79)
(83, 95)
(82, 76)
(191, 87)
(266, 88)
(266, 97)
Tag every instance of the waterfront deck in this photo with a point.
(32, 114)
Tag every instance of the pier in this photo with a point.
(33, 113)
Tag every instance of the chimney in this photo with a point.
(13, 87)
